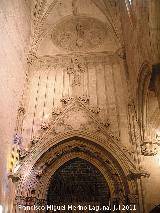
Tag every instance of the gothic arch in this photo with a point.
(64, 138)
(34, 180)
(148, 110)
(78, 180)
(89, 151)
(143, 84)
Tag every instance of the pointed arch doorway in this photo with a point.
(45, 180)
(78, 186)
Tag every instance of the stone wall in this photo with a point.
(99, 78)
(140, 23)
(14, 36)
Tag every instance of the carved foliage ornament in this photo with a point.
(79, 34)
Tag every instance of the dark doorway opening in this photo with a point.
(78, 184)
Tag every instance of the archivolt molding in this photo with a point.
(76, 120)
(40, 12)
(80, 149)
(33, 186)
(143, 83)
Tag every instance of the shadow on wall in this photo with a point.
(156, 209)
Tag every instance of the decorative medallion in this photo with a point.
(79, 34)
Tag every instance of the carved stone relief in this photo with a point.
(149, 148)
(79, 34)
(75, 68)
(79, 115)
(63, 61)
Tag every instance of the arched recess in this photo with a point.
(148, 110)
(143, 84)
(42, 162)
(78, 182)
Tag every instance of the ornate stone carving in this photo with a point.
(39, 171)
(65, 100)
(79, 33)
(34, 140)
(75, 68)
(95, 109)
(31, 57)
(149, 148)
(62, 61)
(22, 153)
(133, 198)
(14, 177)
(138, 174)
(83, 99)
(44, 125)
(56, 111)
(78, 116)
(21, 110)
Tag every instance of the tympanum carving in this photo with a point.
(79, 33)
